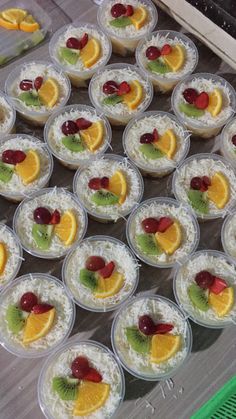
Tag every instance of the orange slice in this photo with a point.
(14, 15)
(167, 143)
(135, 96)
(164, 347)
(90, 54)
(107, 287)
(29, 168)
(139, 17)
(222, 303)
(49, 92)
(215, 102)
(67, 228)
(93, 136)
(170, 240)
(118, 186)
(38, 325)
(91, 397)
(3, 257)
(29, 24)
(8, 25)
(218, 192)
(175, 59)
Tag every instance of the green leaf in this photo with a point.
(112, 100)
(120, 22)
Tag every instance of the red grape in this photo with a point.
(118, 10)
(196, 183)
(42, 215)
(147, 138)
(190, 95)
(104, 182)
(150, 225)
(13, 156)
(152, 53)
(28, 301)
(95, 183)
(69, 128)
(80, 367)
(38, 82)
(26, 84)
(204, 279)
(73, 43)
(94, 263)
(110, 87)
(234, 139)
(146, 325)
(83, 123)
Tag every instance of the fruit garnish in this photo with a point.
(109, 286)
(38, 82)
(202, 101)
(218, 285)
(215, 102)
(206, 180)
(42, 215)
(150, 225)
(170, 240)
(112, 100)
(139, 17)
(222, 303)
(103, 198)
(8, 25)
(233, 139)
(88, 279)
(93, 375)
(97, 183)
(191, 110)
(13, 156)
(118, 186)
(55, 218)
(41, 308)
(42, 235)
(14, 15)
(163, 328)
(26, 85)
(90, 53)
(93, 135)
(106, 272)
(110, 87)
(146, 138)
(158, 66)
(124, 88)
(80, 367)
(196, 183)
(6, 172)
(38, 325)
(146, 325)
(166, 49)
(166, 143)
(198, 201)
(65, 387)
(94, 263)
(164, 223)
(148, 244)
(28, 301)
(29, 168)
(118, 9)
(219, 190)
(190, 95)
(69, 127)
(129, 10)
(74, 143)
(49, 92)
(30, 98)
(135, 96)
(3, 257)
(29, 24)
(198, 297)
(121, 22)
(175, 58)
(71, 56)
(84, 40)
(151, 152)
(83, 123)
(15, 319)
(204, 279)
(73, 43)
(155, 135)
(164, 347)
(152, 53)
(137, 340)
(91, 396)
(66, 229)
(105, 182)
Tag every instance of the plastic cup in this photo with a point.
(14, 254)
(165, 83)
(182, 300)
(74, 163)
(146, 168)
(77, 77)
(16, 195)
(30, 115)
(125, 44)
(120, 119)
(10, 126)
(197, 127)
(227, 148)
(47, 254)
(102, 304)
(127, 360)
(228, 235)
(202, 156)
(113, 217)
(149, 259)
(9, 343)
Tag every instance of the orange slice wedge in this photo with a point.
(118, 186)
(175, 59)
(135, 96)
(91, 53)
(164, 347)
(139, 17)
(93, 136)
(29, 169)
(29, 24)
(14, 15)
(107, 287)
(8, 25)
(170, 239)
(167, 143)
(219, 191)
(3, 257)
(222, 303)
(215, 102)
(49, 92)
(67, 228)
(91, 397)
(38, 325)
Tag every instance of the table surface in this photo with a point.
(212, 361)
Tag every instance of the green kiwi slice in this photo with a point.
(103, 198)
(137, 340)
(148, 244)
(66, 387)
(198, 297)
(88, 279)
(198, 201)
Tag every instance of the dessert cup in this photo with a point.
(109, 293)
(174, 146)
(227, 147)
(11, 255)
(7, 116)
(165, 83)
(220, 266)
(228, 235)
(15, 335)
(78, 72)
(53, 135)
(141, 364)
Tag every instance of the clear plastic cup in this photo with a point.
(74, 349)
(186, 216)
(165, 83)
(74, 163)
(182, 299)
(102, 304)
(125, 44)
(57, 298)
(228, 235)
(146, 168)
(113, 216)
(17, 195)
(77, 77)
(11, 113)
(120, 119)
(60, 250)
(198, 157)
(117, 334)
(33, 116)
(227, 149)
(14, 254)
(197, 127)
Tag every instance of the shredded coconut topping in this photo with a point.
(14, 257)
(6, 116)
(228, 149)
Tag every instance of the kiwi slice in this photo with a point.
(112, 100)
(103, 198)
(66, 387)
(120, 22)
(157, 66)
(69, 55)
(199, 201)
(137, 340)
(42, 235)
(73, 143)
(29, 99)
(88, 279)
(198, 297)
(148, 244)
(151, 152)
(190, 110)
(15, 319)
(6, 172)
